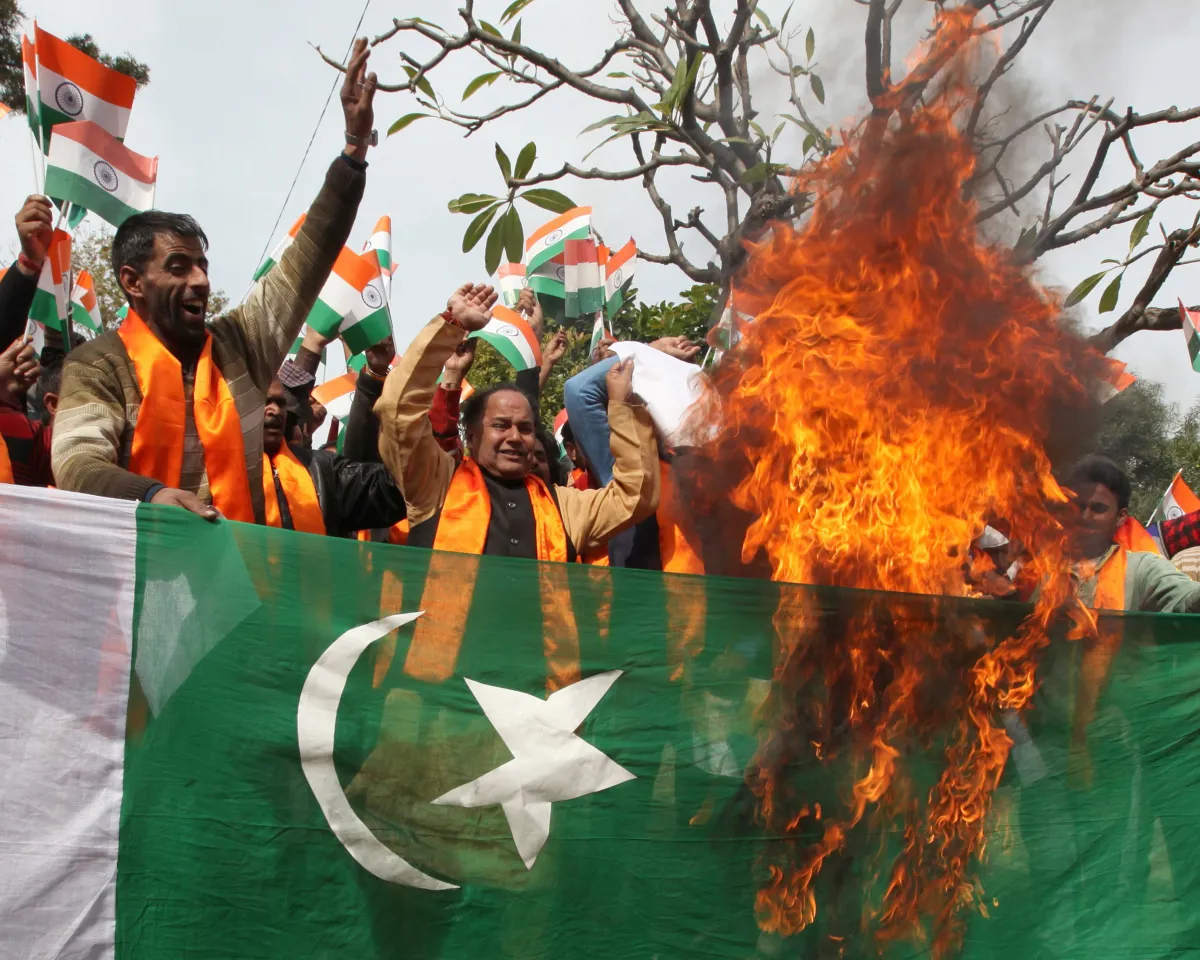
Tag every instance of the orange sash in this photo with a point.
(298, 490)
(6, 474)
(158, 436)
(467, 511)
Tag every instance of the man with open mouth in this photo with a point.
(170, 407)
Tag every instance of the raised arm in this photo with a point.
(361, 443)
(20, 281)
(591, 517)
(406, 441)
(270, 319)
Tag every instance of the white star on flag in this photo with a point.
(550, 763)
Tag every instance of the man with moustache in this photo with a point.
(169, 408)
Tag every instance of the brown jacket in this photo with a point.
(100, 399)
(423, 469)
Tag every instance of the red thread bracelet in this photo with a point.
(28, 264)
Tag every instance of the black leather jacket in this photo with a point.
(353, 496)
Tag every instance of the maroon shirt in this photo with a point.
(28, 445)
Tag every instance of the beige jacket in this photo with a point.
(423, 469)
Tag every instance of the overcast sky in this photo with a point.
(236, 91)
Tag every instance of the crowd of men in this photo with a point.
(210, 415)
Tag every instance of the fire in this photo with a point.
(894, 392)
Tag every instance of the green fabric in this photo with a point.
(225, 853)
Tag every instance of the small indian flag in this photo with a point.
(85, 311)
(1190, 323)
(278, 252)
(353, 303)
(53, 295)
(1178, 501)
(380, 243)
(336, 395)
(598, 332)
(547, 241)
(618, 273)
(511, 280)
(29, 62)
(512, 335)
(584, 288)
(88, 166)
(1114, 379)
(549, 278)
(73, 87)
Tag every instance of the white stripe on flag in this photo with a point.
(63, 700)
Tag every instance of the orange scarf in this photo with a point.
(298, 490)
(462, 528)
(6, 474)
(467, 511)
(158, 436)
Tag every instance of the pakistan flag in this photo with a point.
(227, 741)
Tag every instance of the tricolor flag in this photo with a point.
(512, 335)
(1115, 379)
(547, 240)
(1177, 501)
(73, 87)
(1133, 536)
(582, 281)
(85, 311)
(51, 300)
(89, 167)
(598, 333)
(232, 741)
(336, 395)
(278, 252)
(618, 273)
(29, 63)
(380, 243)
(1191, 322)
(560, 421)
(353, 303)
(511, 280)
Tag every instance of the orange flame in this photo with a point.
(894, 392)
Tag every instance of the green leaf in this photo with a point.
(818, 88)
(488, 28)
(766, 21)
(778, 131)
(619, 75)
(470, 203)
(404, 121)
(525, 161)
(495, 246)
(786, 13)
(1140, 229)
(475, 231)
(759, 131)
(503, 163)
(1081, 291)
(514, 236)
(760, 172)
(799, 71)
(516, 37)
(1026, 240)
(513, 9)
(1108, 299)
(423, 84)
(809, 142)
(484, 79)
(548, 199)
(810, 44)
(428, 23)
(606, 122)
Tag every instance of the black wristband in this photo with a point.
(153, 492)
(359, 165)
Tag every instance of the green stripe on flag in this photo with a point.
(368, 331)
(324, 319)
(44, 309)
(64, 185)
(583, 302)
(506, 348)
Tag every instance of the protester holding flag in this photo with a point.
(315, 491)
(491, 504)
(26, 440)
(169, 409)
(1112, 577)
(19, 284)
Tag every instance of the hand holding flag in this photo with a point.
(35, 228)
